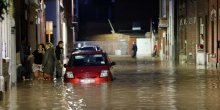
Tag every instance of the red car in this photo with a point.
(88, 67)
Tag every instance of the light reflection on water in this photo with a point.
(139, 85)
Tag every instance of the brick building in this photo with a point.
(163, 29)
(190, 30)
(213, 40)
(198, 32)
(192, 21)
(167, 33)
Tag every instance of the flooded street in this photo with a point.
(141, 84)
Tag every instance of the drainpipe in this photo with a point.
(72, 20)
(217, 60)
(56, 40)
(171, 47)
(13, 65)
(176, 33)
(1, 75)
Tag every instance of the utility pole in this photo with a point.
(1, 75)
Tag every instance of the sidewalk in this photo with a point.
(128, 58)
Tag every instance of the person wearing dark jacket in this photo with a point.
(38, 55)
(49, 61)
(134, 50)
(26, 64)
(59, 59)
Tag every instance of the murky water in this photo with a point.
(141, 84)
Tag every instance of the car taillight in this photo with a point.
(104, 73)
(69, 74)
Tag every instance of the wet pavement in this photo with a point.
(141, 84)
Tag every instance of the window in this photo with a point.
(88, 60)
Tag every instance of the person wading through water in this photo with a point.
(134, 50)
(49, 61)
(59, 59)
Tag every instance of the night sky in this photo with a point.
(94, 15)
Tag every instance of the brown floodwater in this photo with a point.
(140, 84)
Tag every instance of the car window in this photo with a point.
(88, 60)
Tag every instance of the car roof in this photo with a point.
(90, 46)
(89, 52)
(87, 48)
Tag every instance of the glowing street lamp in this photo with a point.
(49, 29)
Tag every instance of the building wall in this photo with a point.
(171, 31)
(213, 33)
(162, 43)
(189, 16)
(20, 23)
(7, 50)
(218, 38)
(51, 11)
(32, 32)
(163, 30)
(69, 15)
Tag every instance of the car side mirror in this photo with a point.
(65, 65)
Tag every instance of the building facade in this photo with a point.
(213, 36)
(167, 34)
(7, 47)
(55, 14)
(196, 31)
(24, 21)
(162, 30)
(192, 31)
(35, 10)
(71, 15)
(199, 32)
(184, 33)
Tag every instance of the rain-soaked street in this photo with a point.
(141, 84)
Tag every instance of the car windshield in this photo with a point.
(88, 48)
(87, 60)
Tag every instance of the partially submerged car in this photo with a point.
(88, 67)
(87, 48)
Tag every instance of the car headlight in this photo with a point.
(104, 73)
(69, 74)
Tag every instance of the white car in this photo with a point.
(87, 48)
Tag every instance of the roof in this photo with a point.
(89, 52)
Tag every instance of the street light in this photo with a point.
(49, 29)
(112, 31)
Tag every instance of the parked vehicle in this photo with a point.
(88, 67)
(87, 48)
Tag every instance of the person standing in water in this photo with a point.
(59, 59)
(134, 50)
